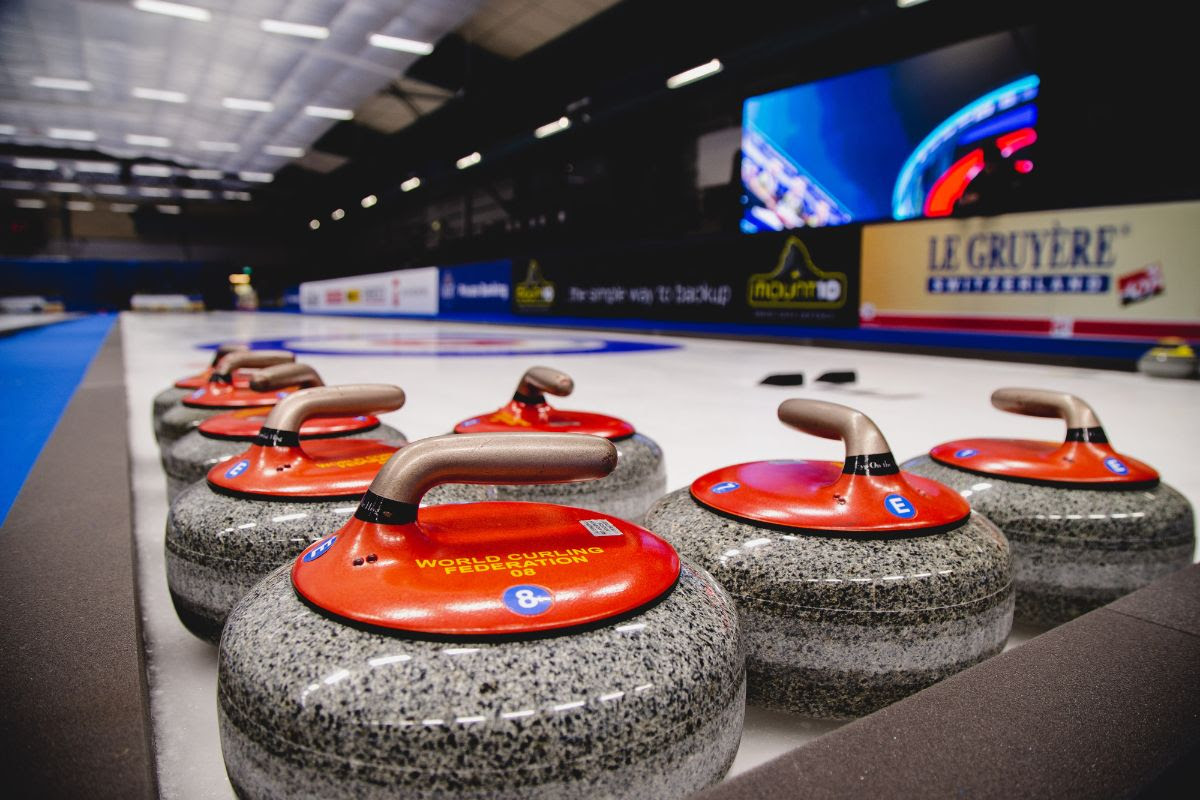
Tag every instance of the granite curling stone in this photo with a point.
(1087, 524)
(222, 393)
(856, 584)
(628, 492)
(484, 650)
(185, 386)
(259, 509)
(224, 436)
(1172, 358)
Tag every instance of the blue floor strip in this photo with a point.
(40, 369)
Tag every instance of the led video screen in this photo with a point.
(949, 132)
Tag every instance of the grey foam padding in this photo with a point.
(73, 703)
(1107, 705)
(1174, 603)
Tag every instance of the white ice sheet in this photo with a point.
(701, 402)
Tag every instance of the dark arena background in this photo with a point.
(266, 267)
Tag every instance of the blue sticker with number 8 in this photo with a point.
(528, 600)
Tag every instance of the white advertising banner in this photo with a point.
(405, 291)
(1117, 272)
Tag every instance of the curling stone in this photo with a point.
(1172, 358)
(259, 509)
(486, 650)
(185, 386)
(639, 479)
(224, 436)
(221, 394)
(1087, 524)
(856, 584)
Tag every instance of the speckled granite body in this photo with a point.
(179, 419)
(163, 401)
(842, 626)
(218, 547)
(1167, 366)
(1077, 549)
(627, 492)
(190, 458)
(647, 707)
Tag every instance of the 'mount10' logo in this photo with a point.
(535, 292)
(796, 282)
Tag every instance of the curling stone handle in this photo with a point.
(357, 398)
(1047, 403)
(834, 421)
(246, 359)
(532, 457)
(282, 375)
(537, 382)
(225, 349)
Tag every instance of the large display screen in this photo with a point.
(950, 132)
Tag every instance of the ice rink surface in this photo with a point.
(700, 399)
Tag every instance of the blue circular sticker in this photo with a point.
(724, 487)
(965, 453)
(237, 469)
(528, 600)
(468, 423)
(321, 549)
(899, 506)
(1116, 465)
(198, 393)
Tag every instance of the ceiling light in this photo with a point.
(410, 184)
(329, 113)
(151, 170)
(283, 150)
(153, 191)
(7, 130)
(230, 195)
(908, 3)
(294, 29)
(110, 188)
(69, 84)
(173, 10)
(403, 45)
(219, 147)
(122, 208)
(205, 174)
(695, 74)
(242, 104)
(64, 187)
(469, 160)
(337, 214)
(80, 205)
(30, 202)
(169, 209)
(256, 177)
(147, 141)
(551, 128)
(159, 94)
(72, 134)
(35, 163)
(369, 201)
(100, 167)
(313, 224)
(198, 194)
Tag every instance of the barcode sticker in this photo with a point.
(600, 527)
